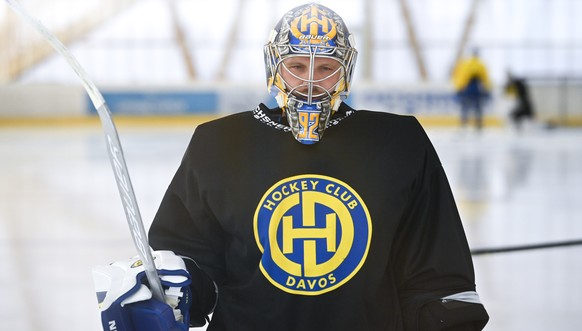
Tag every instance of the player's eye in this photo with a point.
(296, 67)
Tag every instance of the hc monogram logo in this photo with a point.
(314, 232)
(314, 25)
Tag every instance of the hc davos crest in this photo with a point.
(314, 232)
(314, 26)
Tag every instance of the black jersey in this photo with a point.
(355, 232)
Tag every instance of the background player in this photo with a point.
(523, 109)
(472, 86)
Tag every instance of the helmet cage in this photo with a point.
(314, 90)
(276, 54)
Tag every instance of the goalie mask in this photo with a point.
(309, 62)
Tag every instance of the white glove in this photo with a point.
(122, 284)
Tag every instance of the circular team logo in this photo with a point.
(314, 232)
(314, 26)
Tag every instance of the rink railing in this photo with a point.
(556, 99)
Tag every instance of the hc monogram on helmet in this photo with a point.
(313, 33)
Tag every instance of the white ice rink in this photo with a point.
(60, 214)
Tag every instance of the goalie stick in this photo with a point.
(115, 153)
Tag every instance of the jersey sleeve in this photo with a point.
(433, 264)
(183, 224)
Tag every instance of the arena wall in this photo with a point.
(554, 103)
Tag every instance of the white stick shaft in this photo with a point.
(115, 152)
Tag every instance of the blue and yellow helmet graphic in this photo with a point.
(313, 27)
(309, 31)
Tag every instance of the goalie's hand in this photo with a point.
(126, 302)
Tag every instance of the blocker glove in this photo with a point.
(126, 302)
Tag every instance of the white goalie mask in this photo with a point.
(309, 63)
